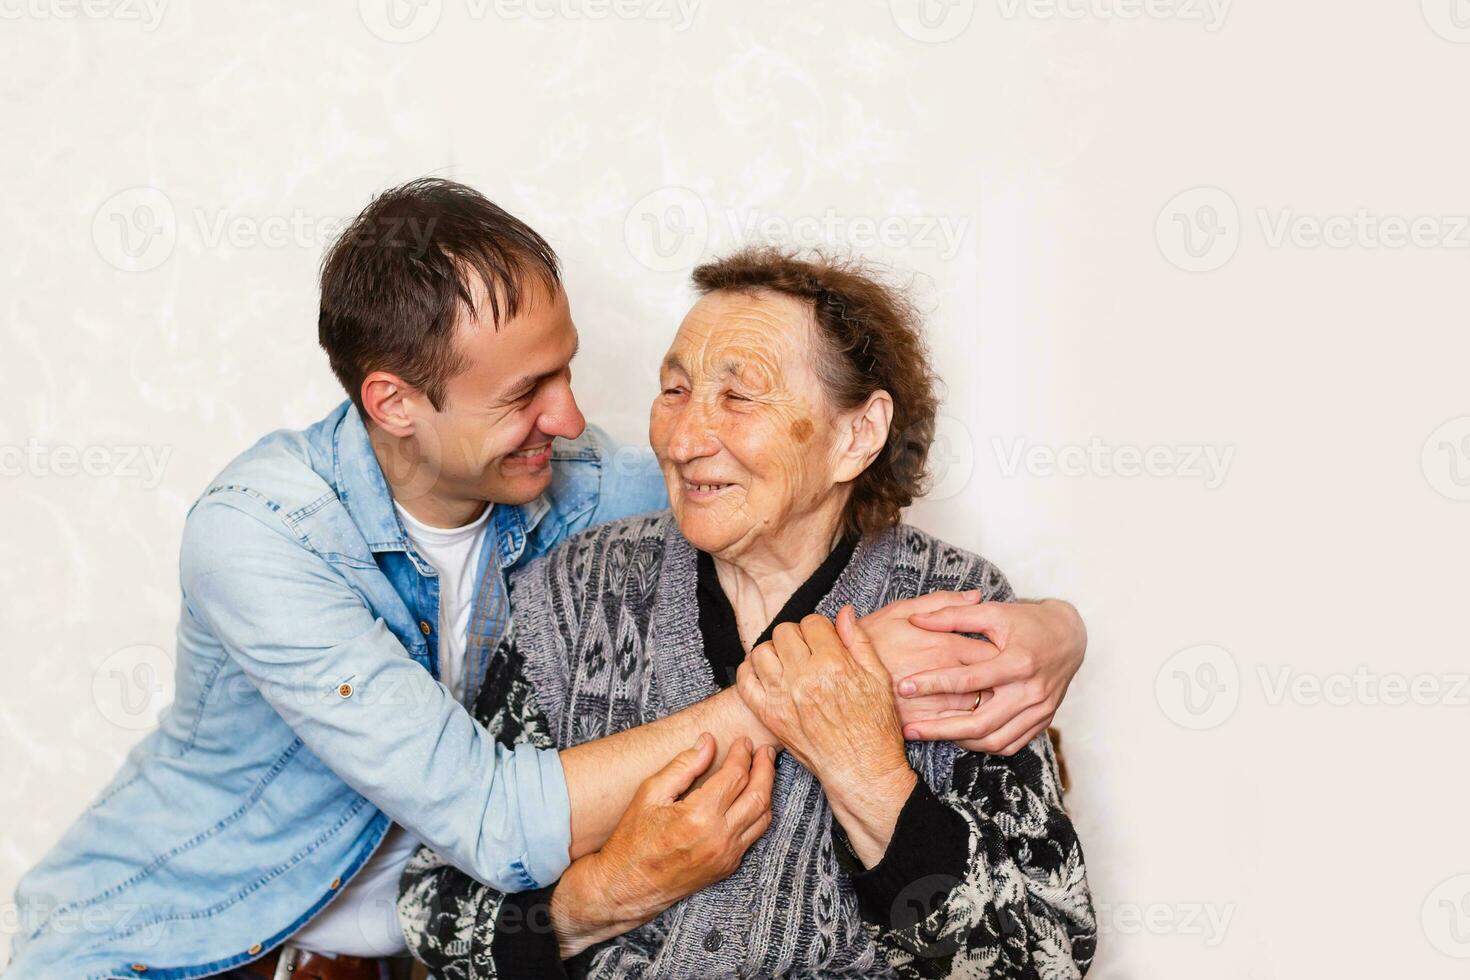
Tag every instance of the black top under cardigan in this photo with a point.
(929, 838)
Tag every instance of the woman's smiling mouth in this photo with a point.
(704, 491)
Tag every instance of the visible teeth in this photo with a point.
(708, 487)
(529, 452)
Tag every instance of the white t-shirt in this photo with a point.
(363, 920)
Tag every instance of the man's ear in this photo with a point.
(385, 403)
(862, 436)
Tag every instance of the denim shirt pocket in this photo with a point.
(381, 580)
(325, 528)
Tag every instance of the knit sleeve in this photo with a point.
(1020, 908)
(460, 928)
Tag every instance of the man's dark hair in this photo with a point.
(394, 283)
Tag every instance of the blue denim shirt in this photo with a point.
(307, 716)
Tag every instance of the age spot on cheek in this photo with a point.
(802, 429)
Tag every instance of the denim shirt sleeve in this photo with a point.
(348, 689)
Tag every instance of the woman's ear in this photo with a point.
(864, 433)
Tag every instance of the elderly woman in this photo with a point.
(793, 425)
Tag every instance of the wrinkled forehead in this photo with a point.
(762, 334)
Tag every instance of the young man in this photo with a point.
(342, 587)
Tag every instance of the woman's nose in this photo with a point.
(692, 436)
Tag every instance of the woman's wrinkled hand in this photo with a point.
(671, 842)
(828, 702)
(827, 697)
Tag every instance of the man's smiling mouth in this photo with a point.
(534, 456)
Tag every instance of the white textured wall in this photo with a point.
(1023, 162)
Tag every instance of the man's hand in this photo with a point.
(1021, 674)
(671, 842)
(907, 649)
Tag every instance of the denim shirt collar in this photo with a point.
(363, 490)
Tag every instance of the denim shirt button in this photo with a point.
(713, 941)
(344, 690)
(139, 968)
(253, 950)
(424, 627)
(336, 884)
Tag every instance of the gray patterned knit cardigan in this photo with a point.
(606, 637)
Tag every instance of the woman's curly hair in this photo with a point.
(868, 340)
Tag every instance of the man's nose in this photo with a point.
(562, 417)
